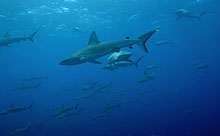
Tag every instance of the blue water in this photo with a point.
(186, 100)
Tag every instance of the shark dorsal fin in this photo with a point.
(93, 38)
(6, 35)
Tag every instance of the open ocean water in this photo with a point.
(173, 91)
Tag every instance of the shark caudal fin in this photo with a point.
(30, 106)
(137, 61)
(31, 37)
(37, 86)
(143, 39)
(202, 14)
(27, 126)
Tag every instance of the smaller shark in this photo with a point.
(7, 39)
(35, 78)
(70, 113)
(100, 115)
(146, 105)
(101, 89)
(12, 109)
(119, 56)
(64, 110)
(150, 67)
(78, 30)
(201, 65)
(18, 131)
(23, 87)
(121, 64)
(111, 106)
(88, 86)
(181, 13)
(146, 77)
(79, 98)
(163, 42)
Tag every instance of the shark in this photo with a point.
(163, 42)
(100, 115)
(119, 56)
(70, 113)
(12, 109)
(146, 105)
(7, 39)
(111, 106)
(64, 110)
(150, 67)
(183, 13)
(88, 86)
(23, 87)
(96, 49)
(35, 78)
(146, 77)
(121, 64)
(18, 131)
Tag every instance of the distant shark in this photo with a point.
(23, 87)
(181, 13)
(12, 109)
(96, 49)
(18, 131)
(7, 39)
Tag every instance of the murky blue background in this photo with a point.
(178, 87)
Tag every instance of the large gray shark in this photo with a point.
(9, 40)
(12, 109)
(19, 130)
(96, 49)
(187, 14)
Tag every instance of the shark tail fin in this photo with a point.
(31, 37)
(137, 61)
(93, 85)
(28, 126)
(30, 106)
(76, 107)
(202, 14)
(143, 39)
(37, 85)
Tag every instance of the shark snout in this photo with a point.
(64, 62)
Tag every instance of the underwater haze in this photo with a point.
(107, 88)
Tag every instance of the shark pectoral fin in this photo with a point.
(95, 62)
(93, 38)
